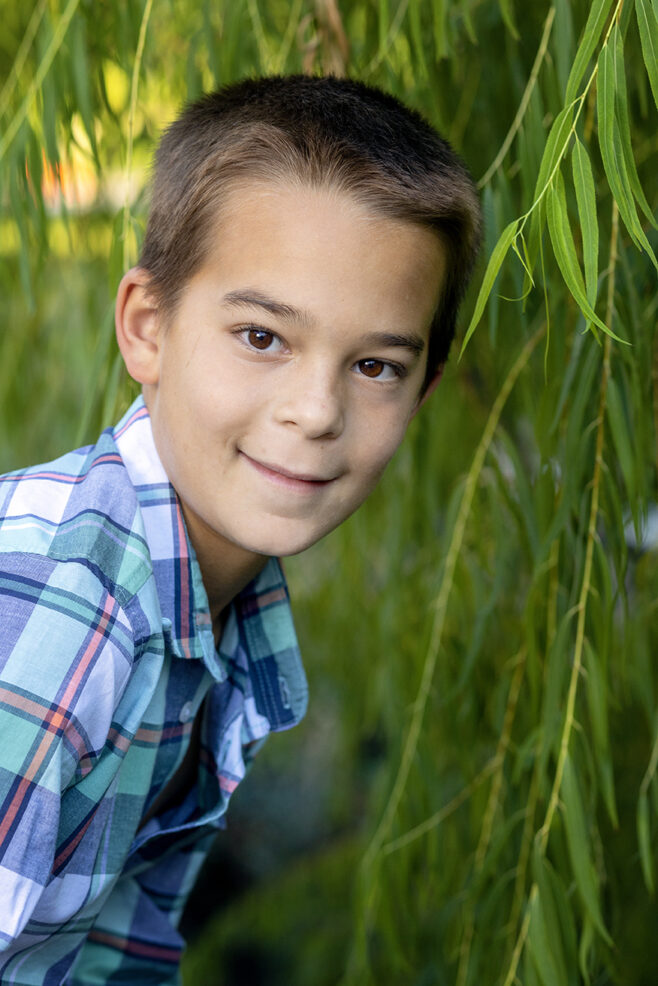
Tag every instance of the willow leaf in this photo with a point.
(556, 145)
(417, 37)
(81, 77)
(585, 949)
(598, 14)
(598, 712)
(611, 150)
(622, 439)
(624, 128)
(647, 22)
(495, 261)
(583, 181)
(542, 945)
(579, 850)
(563, 47)
(565, 252)
(596, 699)
(507, 13)
(383, 24)
(545, 938)
(566, 922)
(50, 97)
(440, 39)
(644, 841)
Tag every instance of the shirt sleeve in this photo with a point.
(58, 689)
(135, 937)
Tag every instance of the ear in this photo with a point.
(138, 327)
(431, 387)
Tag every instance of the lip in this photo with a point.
(285, 477)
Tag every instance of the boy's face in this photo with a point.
(294, 362)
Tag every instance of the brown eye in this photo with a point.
(372, 367)
(259, 338)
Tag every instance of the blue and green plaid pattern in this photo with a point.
(106, 655)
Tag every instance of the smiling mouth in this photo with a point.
(287, 478)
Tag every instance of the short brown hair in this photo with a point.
(319, 132)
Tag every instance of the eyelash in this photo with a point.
(398, 369)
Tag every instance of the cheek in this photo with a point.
(378, 449)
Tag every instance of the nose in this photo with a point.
(313, 402)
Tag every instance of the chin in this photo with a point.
(284, 544)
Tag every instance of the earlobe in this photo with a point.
(138, 327)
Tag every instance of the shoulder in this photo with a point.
(77, 517)
(67, 651)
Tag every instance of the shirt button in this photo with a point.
(186, 712)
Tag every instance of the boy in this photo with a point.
(308, 245)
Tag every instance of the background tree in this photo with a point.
(477, 773)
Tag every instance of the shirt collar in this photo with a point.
(259, 633)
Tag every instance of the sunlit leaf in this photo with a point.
(583, 180)
(82, 78)
(610, 143)
(624, 128)
(440, 37)
(495, 261)
(565, 252)
(598, 14)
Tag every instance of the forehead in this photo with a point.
(323, 246)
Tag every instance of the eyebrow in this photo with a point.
(252, 298)
(412, 342)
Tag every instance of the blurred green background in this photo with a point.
(472, 796)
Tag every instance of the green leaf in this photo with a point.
(543, 945)
(579, 849)
(417, 37)
(612, 153)
(598, 15)
(440, 38)
(583, 181)
(622, 439)
(495, 261)
(544, 934)
(644, 841)
(624, 129)
(585, 948)
(50, 97)
(563, 46)
(597, 702)
(556, 146)
(383, 24)
(555, 674)
(565, 252)
(507, 13)
(81, 77)
(647, 22)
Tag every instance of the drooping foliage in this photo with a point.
(480, 636)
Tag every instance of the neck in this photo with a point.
(226, 568)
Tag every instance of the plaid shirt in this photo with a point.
(106, 655)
